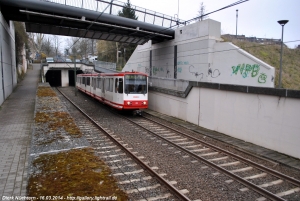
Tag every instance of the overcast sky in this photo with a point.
(255, 17)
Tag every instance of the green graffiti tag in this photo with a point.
(246, 69)
(255, 70)
(182, 63)
(262, 78)
(157, 69)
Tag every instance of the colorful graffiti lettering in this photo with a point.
(262, 78)
(157, 69)
(182, 63)
(246, 69)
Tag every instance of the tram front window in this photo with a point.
(135, 84)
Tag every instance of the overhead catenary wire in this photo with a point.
(92, 23)
(150, 36)
(196, 18)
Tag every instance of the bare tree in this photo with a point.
(107, 51)
(47, 47)
(39, 38)
(84, 46)
(56, 44)
(202, 12)
(36, 40)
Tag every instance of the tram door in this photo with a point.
(117, 96)
(119, 83)
(94, 85)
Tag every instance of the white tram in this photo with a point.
(123, 91)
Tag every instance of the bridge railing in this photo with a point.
(106, 65)
(115, 7)
(168, 83)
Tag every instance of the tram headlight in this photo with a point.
(145, 103)
(128, 103)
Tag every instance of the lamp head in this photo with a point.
(282, 22)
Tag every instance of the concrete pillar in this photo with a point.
(65, 78)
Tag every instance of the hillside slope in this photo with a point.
(271, 55)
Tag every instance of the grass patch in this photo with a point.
(271, 55)
(56, 120)
(45, 92)
(73, 173)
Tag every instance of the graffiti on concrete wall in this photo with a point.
(147, 70)
(262, 78)
(213, 73)
(162, 71)
(196, 74)
(156, 70)
(248, 70)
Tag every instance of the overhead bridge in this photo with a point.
(95, 19)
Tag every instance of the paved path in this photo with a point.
(16, 120)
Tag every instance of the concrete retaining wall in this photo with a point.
(8, 71)
(198, 54)
(267, 120)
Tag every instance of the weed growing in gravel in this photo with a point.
(56, 120)
(45, 91)
(73, 173)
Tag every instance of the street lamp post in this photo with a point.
(236, 23)
(282, 23)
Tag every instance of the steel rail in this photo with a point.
(258, 166)
(265, 193)
(175, 191)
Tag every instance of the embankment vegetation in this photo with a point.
(270, 54)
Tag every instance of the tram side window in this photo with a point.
(98, 83)
(116, 85)
(102, 85)
(111, 83)
(94, 82)
(88, 81)
(83, 80)
(106, 84)
(120, 85)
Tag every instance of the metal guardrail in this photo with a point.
(99, 65)
(144, 15)
(168, 83)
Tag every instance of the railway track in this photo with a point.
(253, 177)
(110, 147)
(218, 158)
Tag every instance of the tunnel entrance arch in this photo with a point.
(54, 78)
(72, 78)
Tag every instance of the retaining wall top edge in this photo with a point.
(289, 93)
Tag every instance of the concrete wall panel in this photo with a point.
(239, 67)
(268, 121)
(201, 56)
(8, 74)
(65, 78)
